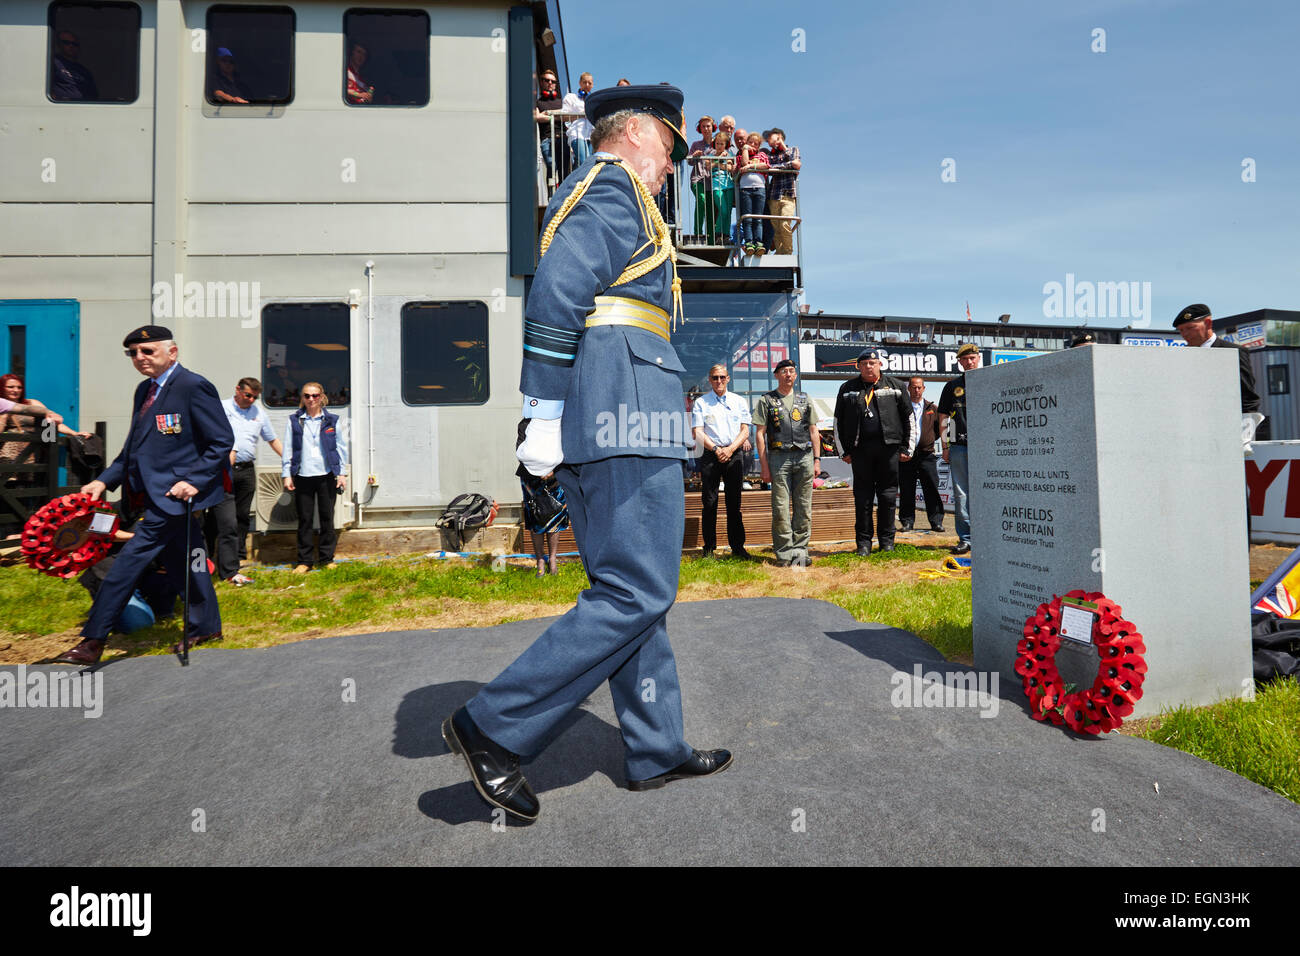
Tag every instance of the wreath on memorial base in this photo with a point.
(1121, 668)
(57, 539)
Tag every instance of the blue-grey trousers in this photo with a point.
(628, 517)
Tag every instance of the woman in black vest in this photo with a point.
(312, 468)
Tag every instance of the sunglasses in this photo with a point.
(152, 350)
(311, 395)
(717, 378)
(248, 394)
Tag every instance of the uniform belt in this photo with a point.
(615, 310)
(245, 464)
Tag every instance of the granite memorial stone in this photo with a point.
(1119, 470)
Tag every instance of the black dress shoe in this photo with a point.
(960, 549)
(886, 546)
(88, 651)
(742, 554)
(196, 641)
(701, 763)
(937, 528)
(493, 770)
(864, 550)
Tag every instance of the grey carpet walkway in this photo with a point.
(285, 771)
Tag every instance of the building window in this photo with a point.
(1279, 380)
(445, 353)
(306, 342)
(386, 58)
(250, 55)
(94, 52)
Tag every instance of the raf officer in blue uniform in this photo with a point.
(176, 450)
(601, 390)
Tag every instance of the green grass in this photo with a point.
(1259, 739)
(937, 611)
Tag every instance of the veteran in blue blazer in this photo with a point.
(607, 416)
(177, 450)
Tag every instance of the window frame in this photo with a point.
(52, 33)
(428, 47)
(487, 351)
(210, 53)
(268, 315)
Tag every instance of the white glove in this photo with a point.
(541, 451)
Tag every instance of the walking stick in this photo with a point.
(185, 607)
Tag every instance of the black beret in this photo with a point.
(868, 354)
(1198, 310)
(784, 363)
(147, 333)
(661, 101)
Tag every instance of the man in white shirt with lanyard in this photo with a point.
(721, 420)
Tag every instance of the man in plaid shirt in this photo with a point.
(781, 189)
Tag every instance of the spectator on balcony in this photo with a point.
(359, 90)
(702, 178)
(723, 186)
(781, 189)
(752, 165)
(225, 85)
(548, 102)
(769, 234)
(579, 130)
(69, 80)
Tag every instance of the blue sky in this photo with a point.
(1115, 166)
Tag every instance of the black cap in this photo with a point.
(1082, 338)
(868, 354)
(661, 101)
(1198, 310)
(784, 363)
(147, 333)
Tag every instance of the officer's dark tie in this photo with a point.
(148, 400)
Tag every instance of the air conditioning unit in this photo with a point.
(276, 510)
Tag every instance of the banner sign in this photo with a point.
(1273, 485)
(760, 358)
(842, 358)
(1151, 340)
(1248, 336)
(1010, 355)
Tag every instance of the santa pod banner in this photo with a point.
(1121, 668)
(64, 538)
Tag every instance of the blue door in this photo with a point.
(38, 342)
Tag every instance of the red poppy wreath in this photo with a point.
(1121, 668)
(63, 538)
